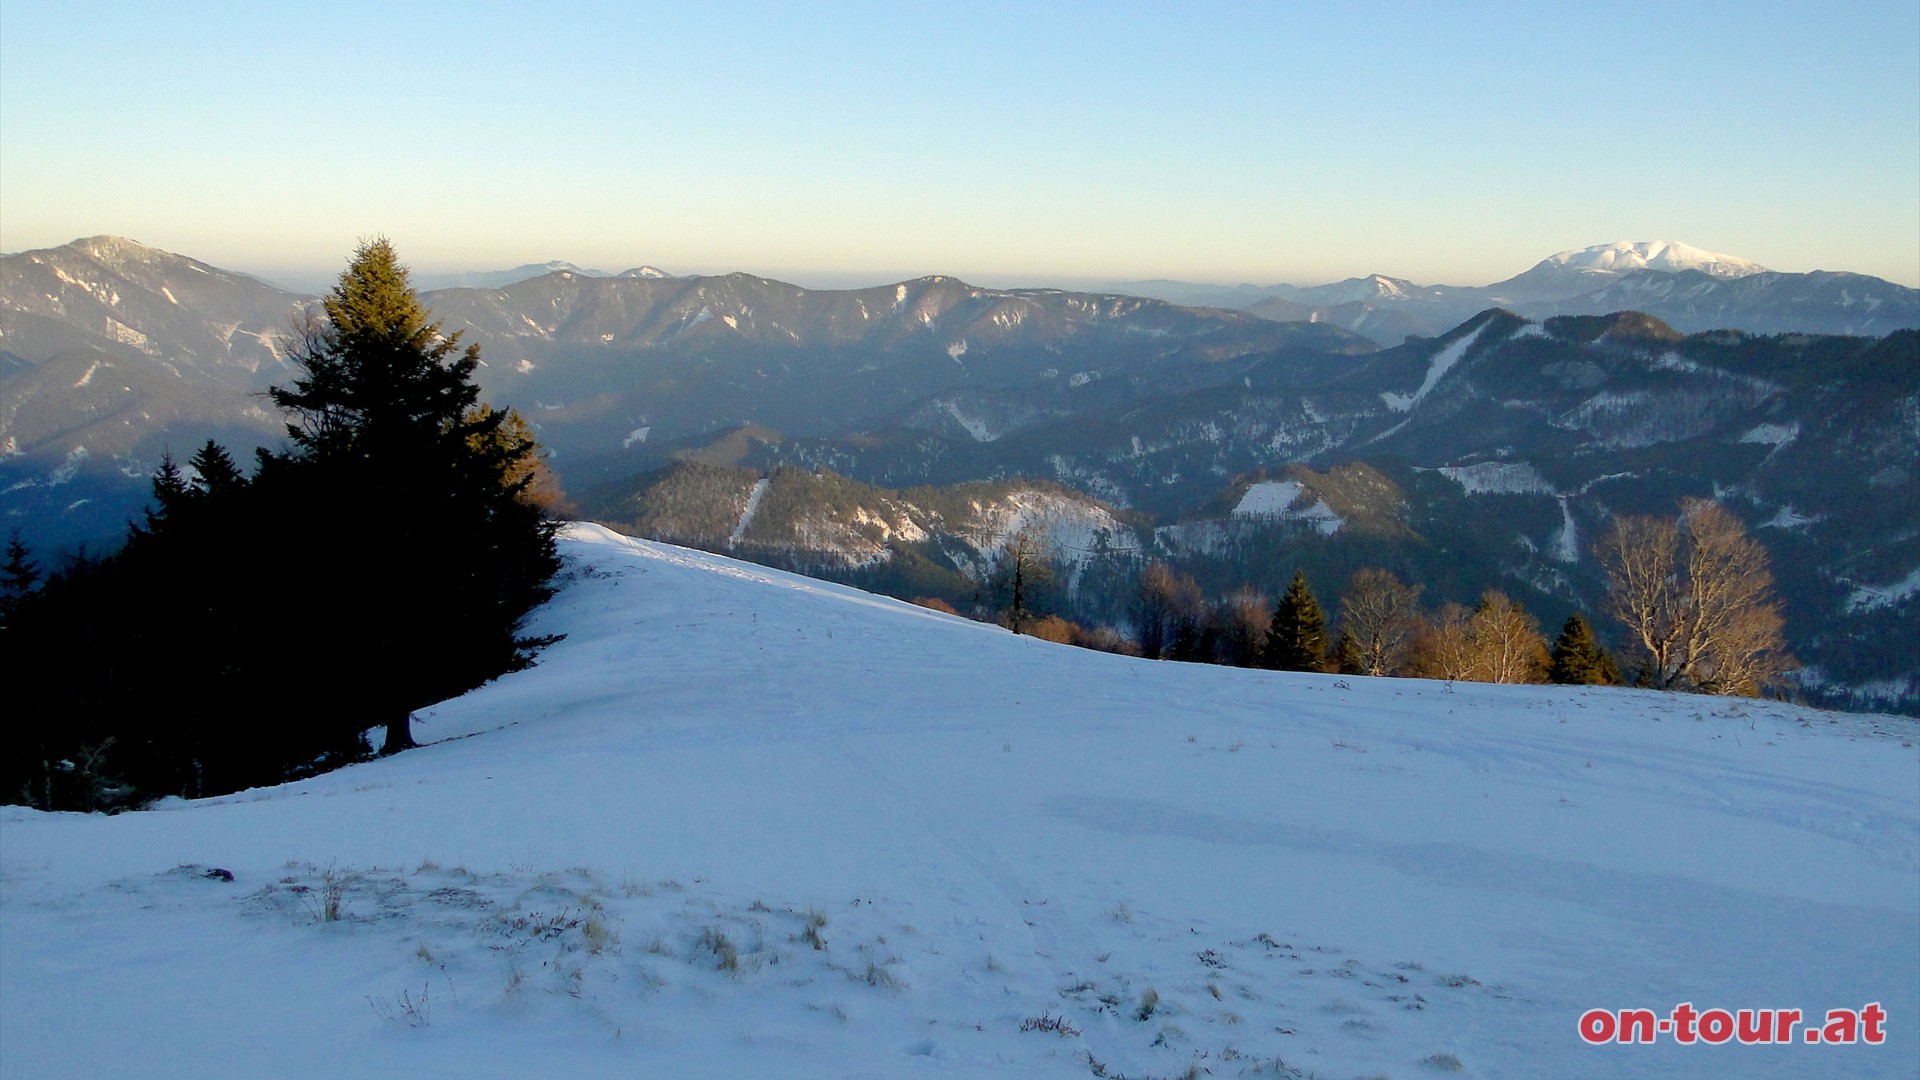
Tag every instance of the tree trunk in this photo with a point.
(399, 735)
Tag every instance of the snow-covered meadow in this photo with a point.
(745, 824)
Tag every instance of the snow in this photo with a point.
(1874, 597)
(1352, 875)
(1566, 540)
(1069, 532)
(957, 349)
(976, 427)
(746, 516)
(1498, 478)
(69, 467)
(86, 377)
(1772, 434)
(637, 435)
(1437, 368)
(1269, 498)
(1622, 256)
(1789, 518)
(1276, 499)
(1532, 329)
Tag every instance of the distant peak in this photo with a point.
(1671, 256)
(107, 246)
(645, 272)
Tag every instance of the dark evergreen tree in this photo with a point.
(1346, 655)
(169, 491)
(1578, 659)
(215, 472)
(447, 553)
(1297, 639)
(252, 628)
(17, 578)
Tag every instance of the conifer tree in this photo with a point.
(214, 471)
(1578, 659)
(1297, 639)
(18, 577)
(1346, 655)
(446, 550)
(169, 491)
(404, 556)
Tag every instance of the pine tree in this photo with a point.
(1346, 655)
(214, 471)
(1297, 639)
(435, 538)
(18, 577)
(170, 490)
(402, 555)
(1578, 659)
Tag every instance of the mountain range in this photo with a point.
(500, 279)
(1487, 454)
(1690, 289)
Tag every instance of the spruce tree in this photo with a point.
(1578, 659)
(170, 490)
(18, 577)
(214, 471)
(397, 558)
(1346, 655)
(441, 549)
(1297, 639)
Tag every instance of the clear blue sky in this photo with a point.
(1448, 143)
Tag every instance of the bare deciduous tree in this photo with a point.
(1171, 606)
(1696, 596)
(1444, 649)
(1243, 617)
(1507, 644)
(1496, 642)
(1381, 613)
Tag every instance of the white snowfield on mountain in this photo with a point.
(1671, 256)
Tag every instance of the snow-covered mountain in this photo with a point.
(1687, 287)
(1671, 256)
(740, 823)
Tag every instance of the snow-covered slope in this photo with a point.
(1668, 255)
(745, 824)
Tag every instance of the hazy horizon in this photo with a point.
(1003, 144)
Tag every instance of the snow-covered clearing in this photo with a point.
(1437, 369)
(1276, 499)
(1498, 478)
(1871, 597)
(740, 527)
(745, 824)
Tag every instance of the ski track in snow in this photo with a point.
(1346, 875)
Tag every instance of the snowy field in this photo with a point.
(744, 824)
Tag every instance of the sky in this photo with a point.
(855, 143)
